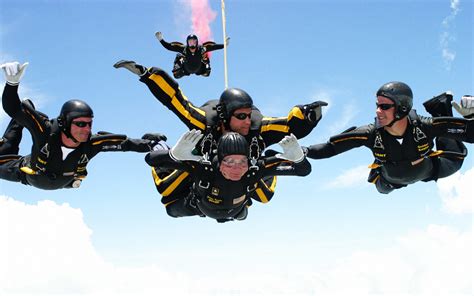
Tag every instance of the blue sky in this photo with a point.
(320, 234)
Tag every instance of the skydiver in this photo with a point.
(62, 147)
(402, 141)
(222, 187)
(234, 111)
(192, 58)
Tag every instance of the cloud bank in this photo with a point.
(48, 251)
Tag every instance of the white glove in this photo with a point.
(466, 108)
(227, 40)
(13, 72)
(159, 36)
(291, 149)
(185, 146)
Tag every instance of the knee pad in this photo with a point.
(172, 210)
(384, 187)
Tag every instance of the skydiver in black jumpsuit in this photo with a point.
(234, 111)
(402, 142)
(192, 58)
(62, 147)
(222, 187)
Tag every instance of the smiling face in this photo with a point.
(234, 166)
(385, 117)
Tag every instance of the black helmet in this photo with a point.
(232, 99)
(192, 37)
(232, 143)
(70, 110)
(400, 94)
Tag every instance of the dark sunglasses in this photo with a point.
(242, 116)
(384, 106)
(82, 123)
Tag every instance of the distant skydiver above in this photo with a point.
(402, 141)
(221, 187)
(234, 111)
(62, 147)
(192, 58)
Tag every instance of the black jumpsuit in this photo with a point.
(187, 62)
(214, 196)
(399, 162)
(45, 168)
(264, 131)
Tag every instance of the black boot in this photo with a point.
(10, 142)
(440, 105)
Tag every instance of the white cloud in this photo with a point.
(48, 251)
(437, 261)
(447, 37)
(356, 176)
(457, 192)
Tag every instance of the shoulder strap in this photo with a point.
(419, 135)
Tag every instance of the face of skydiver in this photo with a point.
(240, 121)
(234, 166)
(192, 44)
(81, 128)
(385, 110)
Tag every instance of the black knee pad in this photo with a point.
(173, 211)
(384, 187)
(179, 209)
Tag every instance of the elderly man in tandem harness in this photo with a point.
(234, 111)
(62, 147)
(402, 141)
(221, 187)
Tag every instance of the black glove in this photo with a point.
(154, 137)
(313, 112)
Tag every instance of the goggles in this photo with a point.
(242, 116)
(230, 162)
(384, 107)
(82, 124)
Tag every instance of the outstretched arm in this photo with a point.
(173, 46)
(451, 127)
(291, 162)
(162, 159)
(211, 45)
(300, 121)
(23, 112)
(11, 101)
(181, 151)
(107, 142)
(167, 91)
(349, 139)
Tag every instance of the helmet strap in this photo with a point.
(69, 136)
(222, 116)
(66, 129)
(393, 122)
